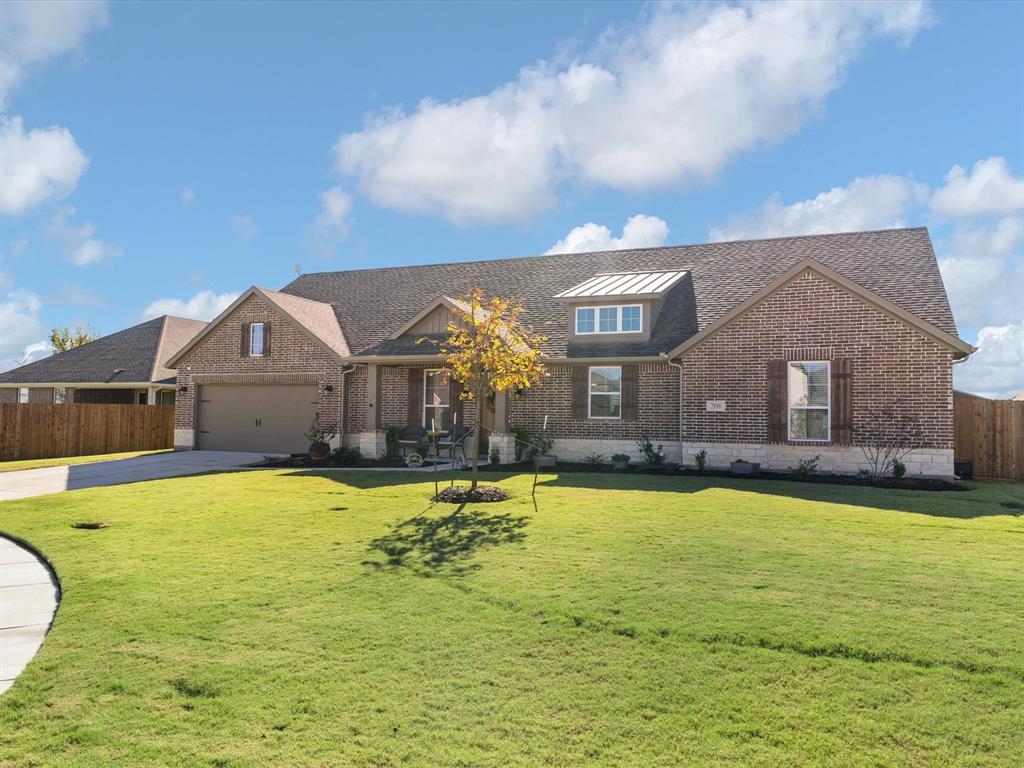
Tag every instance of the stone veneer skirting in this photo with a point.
(928, 462)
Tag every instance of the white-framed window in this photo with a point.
(22, 394)
(810, 400)
(626, 318)
(436, 401)
(256, 340)
(61, 395)
(605, 390)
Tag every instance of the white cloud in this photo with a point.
(871, 202)
(205, 305)
(33, 32)
(997, 368)
(17, 246)
(245, 227)
(673, 99)
(983, 270)
(75, 296)
(640, 231)
(77, 241)
(20, 325)
(188, 195)
(332, 223)
(988, 190)
(36, 166)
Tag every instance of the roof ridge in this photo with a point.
(619, 250)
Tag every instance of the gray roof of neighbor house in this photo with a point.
(371, 304)
(134, 355)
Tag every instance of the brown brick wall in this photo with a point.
(293, 357)
(107, 396)
(394, 398)
(658, 408)
(8, 395)
(893, 365)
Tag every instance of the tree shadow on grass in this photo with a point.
(446, 544)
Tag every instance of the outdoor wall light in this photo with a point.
(328, 387)
(183, 388)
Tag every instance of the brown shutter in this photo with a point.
(842, 402)
(455, 399)
(266, 339)
(777, 401)
(414, 418)
(630, 392)
(580, 392)
(245, 339)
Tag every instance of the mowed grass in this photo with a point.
(64, 461)
(293, 618)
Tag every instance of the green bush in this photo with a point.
(653, 457)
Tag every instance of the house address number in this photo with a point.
(715, 406)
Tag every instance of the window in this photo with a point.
(165, 397)
(809, 400)
(61, 395)
(606, 393)
(613, 319)
(256, 340)
(436, 401)
(585, 320)
(22, 394)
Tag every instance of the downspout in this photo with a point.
(345, 371)
(679, 366)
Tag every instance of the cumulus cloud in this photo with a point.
(333, 222)
(188, 196)
(33, 32)
(983, 270)
(640, 231)
(871, 202)
(205, 305)
(245, 228)
(21, 327)
(77, 241)
(36, 166)
(670, 100)
(988, 190)
(997, 368)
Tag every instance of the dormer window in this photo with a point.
(622, 318)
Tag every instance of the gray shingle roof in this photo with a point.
(897, 264)
(130, 356)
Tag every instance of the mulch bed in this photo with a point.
(306, 463)
(825, 478)
(460, 494)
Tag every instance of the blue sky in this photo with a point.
(164, 156)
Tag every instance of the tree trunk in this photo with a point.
(478, 428)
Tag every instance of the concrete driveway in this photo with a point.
(37, 482)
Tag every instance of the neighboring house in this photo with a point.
(124, 367)
(771, 350)
(1019, 396)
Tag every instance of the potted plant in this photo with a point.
(319, 441)
(744, 467)
(620, 460)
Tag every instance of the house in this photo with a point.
(769, 350)
(124, 367)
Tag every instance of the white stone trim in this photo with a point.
(373, 445)
(184, 439)
(506, 445)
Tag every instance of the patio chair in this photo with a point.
(410, 438)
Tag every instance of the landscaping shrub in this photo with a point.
(594, 458)
(653, 457)
(494, 456)
(806, 467)
(899, 469)
(701, 459)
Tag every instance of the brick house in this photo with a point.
(125, 367)
(770, 350)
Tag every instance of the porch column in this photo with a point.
(151, 396)
(501, 411)
(372, 398)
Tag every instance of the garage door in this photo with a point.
(268, 418)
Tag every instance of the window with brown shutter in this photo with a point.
(245, 339)
(414, 417)
(777, 401)
(580, 392)
(266, 339)
(630, 392)
(842, 402)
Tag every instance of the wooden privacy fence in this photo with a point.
(48, 430)
(989, 434)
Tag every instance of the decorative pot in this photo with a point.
(745, 467)
(319, 451)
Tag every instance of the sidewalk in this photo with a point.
(28, 600)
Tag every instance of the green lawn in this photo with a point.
(14, 466)
(289, 618)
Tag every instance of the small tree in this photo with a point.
(490, 350)
(891, 434)
(63, 339)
